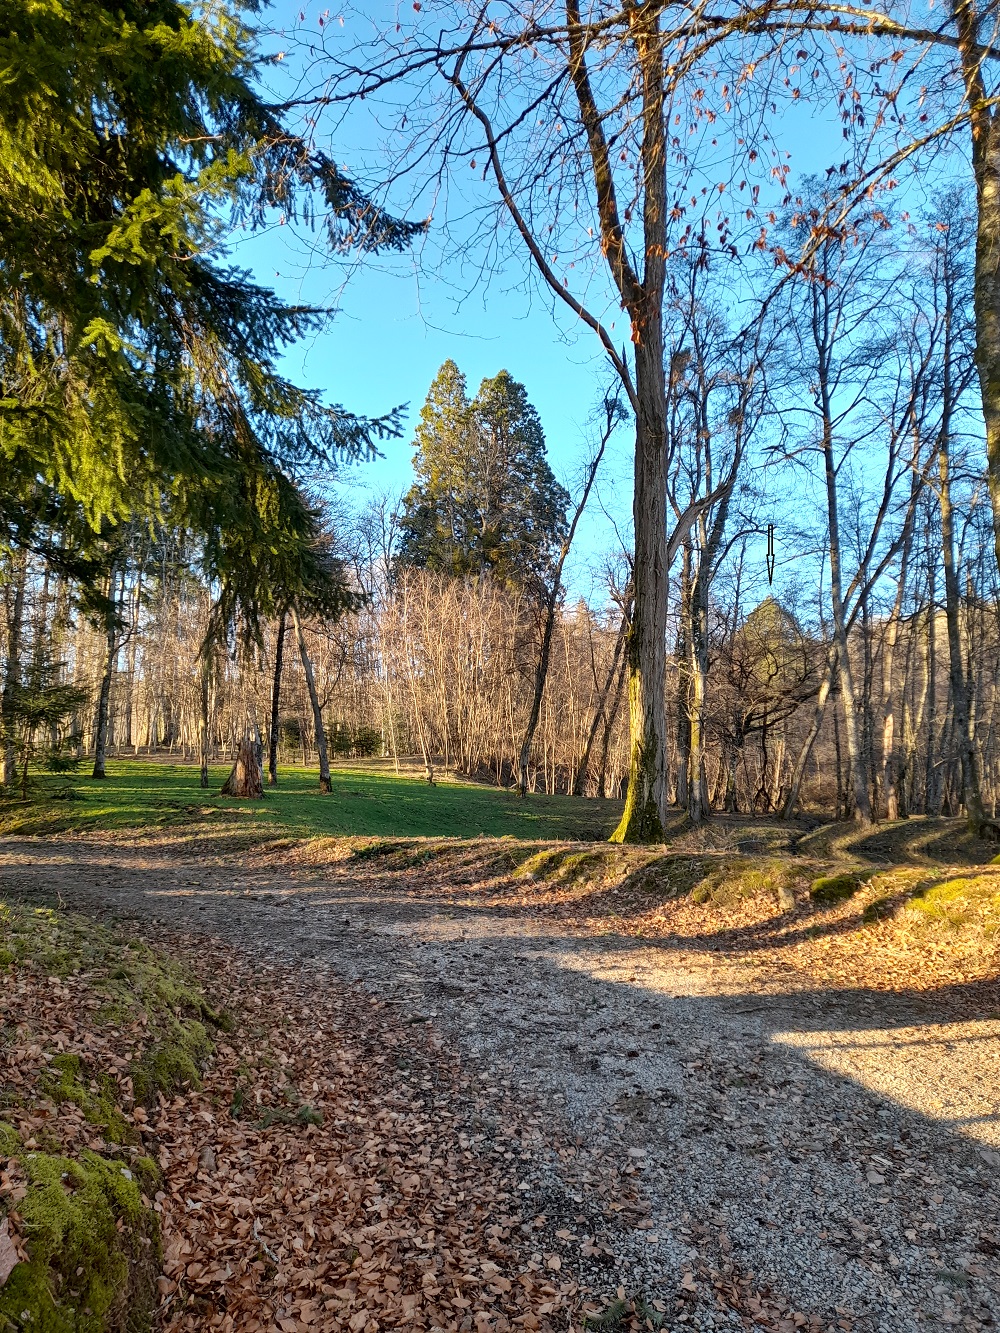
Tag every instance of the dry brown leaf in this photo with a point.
(9, 1258)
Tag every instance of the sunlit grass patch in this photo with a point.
(372, 802)
(967, 900)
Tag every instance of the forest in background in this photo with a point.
(177, 576)
(860, 406)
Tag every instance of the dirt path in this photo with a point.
(843, 1145)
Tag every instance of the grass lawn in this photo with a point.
(142, 794)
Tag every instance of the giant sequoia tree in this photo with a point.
(485, 499)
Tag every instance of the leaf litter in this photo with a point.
(338, 1168)
(598, 1256)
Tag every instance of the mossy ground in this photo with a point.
(712, 878)
(773, 884)
(93, 1243)
(835, 888)
(84, 1215)
(961, 902)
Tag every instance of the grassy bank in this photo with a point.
(365, 802)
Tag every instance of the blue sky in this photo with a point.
(397, 320)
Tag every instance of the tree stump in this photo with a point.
(245, 778)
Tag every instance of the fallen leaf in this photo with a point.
(8, 1253)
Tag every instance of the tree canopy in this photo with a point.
(138, 366)
(485, 498)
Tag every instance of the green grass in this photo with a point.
(139, 794)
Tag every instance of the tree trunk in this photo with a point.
(610, 718)
(958, 681)
(857, 774)
(932, 771)
(698, 807)
(682, 721)
(12, 673)
(245, 779)
(104, 698)
(321, 749)
(272, 737)
(552, 604)
(541, 673)
(890, 743)
(734, 749)
(205, 682)
(601, 710)
(645, 810)
(798, 772)
(644, 816)
(984, 123)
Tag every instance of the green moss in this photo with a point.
(836, 888)
(673, 875)
(93, 1243)
(739, 878)
(9, 1141)
(580, 865)
(168, 1065)
(370, 851)
(69, 1079)
(541, 865)
(136, 984)
(84, 1275)
(961, 902)
(175, 1006)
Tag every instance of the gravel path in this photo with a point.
(842, 1146)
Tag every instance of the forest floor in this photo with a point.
(698, 1084)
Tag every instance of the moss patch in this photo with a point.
(93, 1241)
(672, 876)
(836, 888)
(168, 1066)
(137, 985)
(93, 1245)
(737, 879)
(69, 1079)
(9, 1142)
(960, 902)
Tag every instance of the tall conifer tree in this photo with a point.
(485, 498)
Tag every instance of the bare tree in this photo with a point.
(613, 415)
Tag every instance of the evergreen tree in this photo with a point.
(137, 368)
(485, 498)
